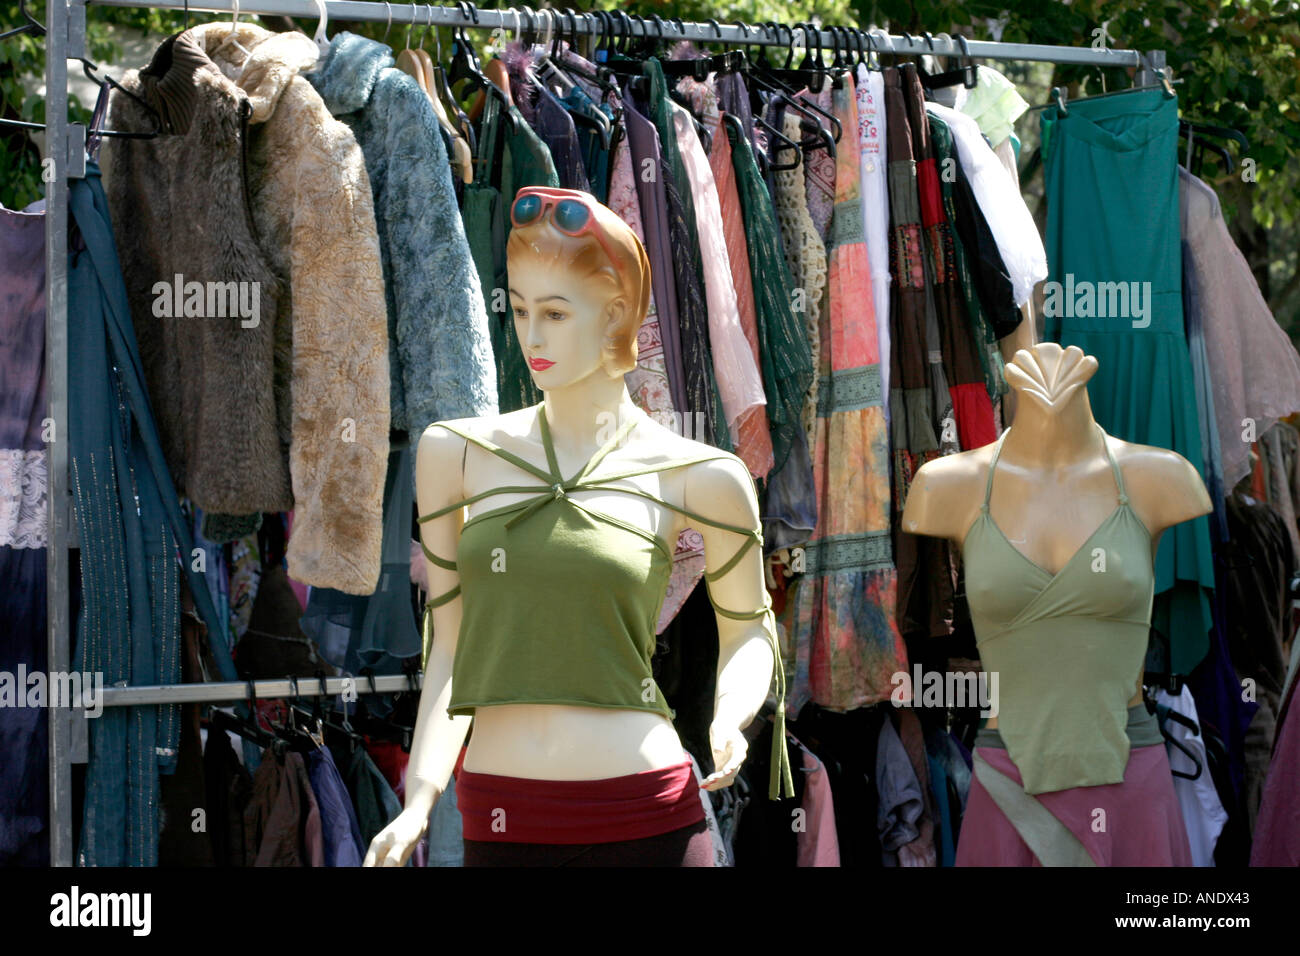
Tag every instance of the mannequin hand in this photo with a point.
(729, 750)
(395, 843)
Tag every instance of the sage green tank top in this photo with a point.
(559, 602)
(1067, 648)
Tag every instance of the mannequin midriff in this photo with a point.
(1054, 485)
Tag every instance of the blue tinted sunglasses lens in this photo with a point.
(527, 208)
(571, 215)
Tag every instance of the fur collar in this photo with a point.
(262, 64)
(348, 72)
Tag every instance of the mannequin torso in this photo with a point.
(564, 742)
(1053, 486)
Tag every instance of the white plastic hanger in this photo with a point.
(550, 25)
(322, 41)
(230, 38)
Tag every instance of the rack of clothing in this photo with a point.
(843, 677)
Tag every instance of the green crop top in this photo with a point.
(560, 602)
(1067, 648)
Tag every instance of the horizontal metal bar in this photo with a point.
(756, 35)
(226, 691)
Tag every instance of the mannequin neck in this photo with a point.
(1052, 438)
(584, 415)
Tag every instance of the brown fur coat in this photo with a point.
(285, 404)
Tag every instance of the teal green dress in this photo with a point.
(1113, 217)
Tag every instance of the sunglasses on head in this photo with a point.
(571, 212)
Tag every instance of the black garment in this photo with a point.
(846, 743)
(765, 835)
(228, 789)
(988, 270)
(24, 731)
(1260, 564)
(180, 842)
(693, 323)
(685, 668)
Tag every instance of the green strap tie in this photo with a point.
(557, 488)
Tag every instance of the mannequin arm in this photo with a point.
(438, 738)
(1166, 489)
(723, 491)
(939, 501)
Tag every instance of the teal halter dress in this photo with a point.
(1111, 175)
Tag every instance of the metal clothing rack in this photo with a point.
(230, 691)
(66, 39)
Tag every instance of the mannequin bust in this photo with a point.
(578, 305)
(1054, 485)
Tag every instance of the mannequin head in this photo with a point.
(1051, 378)
(579, 286)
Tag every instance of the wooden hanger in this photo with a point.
(419, 65)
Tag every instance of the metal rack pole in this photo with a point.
(357, 10)
(228, 691)
(65, 21)
(58, 625)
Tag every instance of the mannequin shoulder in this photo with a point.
(443, 446)
(448, 435)
(1163, 486)
(945, 492)
(719, 487)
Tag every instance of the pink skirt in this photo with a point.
(1142, 823)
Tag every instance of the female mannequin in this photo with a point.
(579, 291)
(1053, 447)
(1059, 524)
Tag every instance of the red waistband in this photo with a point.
(522, 810)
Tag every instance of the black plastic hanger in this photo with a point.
(872, 57)
(465, 65)
(32, 26)
(761, 61)
(246, 728)
(778, 141)
(966, 75)
(104, 82)
(769, 79)
(1168, 713)
(1197, 135)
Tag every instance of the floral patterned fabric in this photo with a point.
(840, 617)
(819, 173)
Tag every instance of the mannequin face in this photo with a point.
(561, 319)
(1050, 376)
